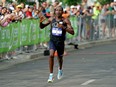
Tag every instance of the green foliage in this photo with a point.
(9, 0)
(74, 2)
(24, 1)
(102, 2)
(68, 2)
(71, 2)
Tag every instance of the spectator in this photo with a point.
(114, 18)
(110, 19)
(29, 12)
(68, 10)
(103, 20)
(73, 10)
(4, 3)
(18, 12)
(35, 14)
(48, 10)
(65, 14)
(95, 17)
(3, 17)
(53, 6)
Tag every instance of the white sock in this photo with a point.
(51, 74)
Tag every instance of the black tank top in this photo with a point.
(57, 34)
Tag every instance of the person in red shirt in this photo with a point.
(29, 12)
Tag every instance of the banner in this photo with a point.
(26, 33)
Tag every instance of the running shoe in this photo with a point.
(50, 79)
(60, 74)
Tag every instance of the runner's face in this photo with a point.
(58, 11)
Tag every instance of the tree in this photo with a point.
(71, 2)
(105, 1)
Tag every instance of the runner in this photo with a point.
(59, 27)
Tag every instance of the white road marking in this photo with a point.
(87, 82)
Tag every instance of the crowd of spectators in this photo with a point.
(13, 12)
(90, 15)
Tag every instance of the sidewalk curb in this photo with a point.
(39, 55)
(80, 46)
(5, 64)
(95, 43)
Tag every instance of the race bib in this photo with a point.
(57, 31)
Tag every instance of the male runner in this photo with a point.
(59, 27)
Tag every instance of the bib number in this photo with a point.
(57, 31)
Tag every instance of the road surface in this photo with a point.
(91, 67)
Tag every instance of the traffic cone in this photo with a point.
(56, 54)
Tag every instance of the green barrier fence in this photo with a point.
(73, 21)
(26, 32)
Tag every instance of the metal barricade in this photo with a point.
(86, 29)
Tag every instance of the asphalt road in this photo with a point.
(91, 67)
